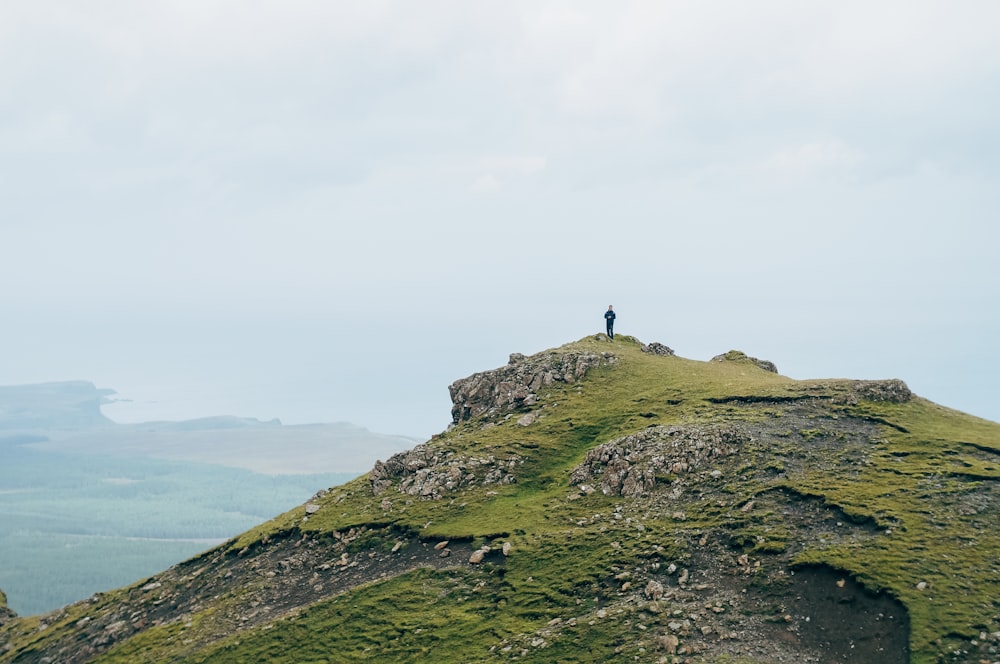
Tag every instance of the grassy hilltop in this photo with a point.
(600, 502)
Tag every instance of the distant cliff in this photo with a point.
(68, 404)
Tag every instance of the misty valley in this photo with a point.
(88, 505)
(72, 525)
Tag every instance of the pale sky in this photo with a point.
(329, 211)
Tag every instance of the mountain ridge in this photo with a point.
(603, 500)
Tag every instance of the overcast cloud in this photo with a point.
(325, 211)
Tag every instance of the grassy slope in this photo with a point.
(909, 485)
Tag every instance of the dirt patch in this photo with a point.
(832, 615)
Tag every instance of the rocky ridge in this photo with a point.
(740, 356)
(491, 393)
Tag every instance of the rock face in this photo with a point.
(740, 356)
(628, 466)
(516, 385)
(5, 613)
(429, 473)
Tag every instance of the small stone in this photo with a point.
(922, 585)
(311, 508)
(477, 556)
(505, 549)
(668, 642)
(440, 545)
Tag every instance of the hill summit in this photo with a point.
(604, 501)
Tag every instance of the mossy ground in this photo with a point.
(915, 484)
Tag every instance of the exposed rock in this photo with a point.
(503, 390)
(5, 612)
(740, 356)
(668, 642)
(656, 348)
(431, 473)
(892, 390)
(629, 466)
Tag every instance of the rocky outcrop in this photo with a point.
(656, 348)
(740, 356)
(892, 390)
(5, 612)
(516, 385)
(429, 473)
(629, 466)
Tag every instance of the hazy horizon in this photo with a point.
(326, 212)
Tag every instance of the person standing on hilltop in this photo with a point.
(609, 318)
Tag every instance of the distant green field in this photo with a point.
(72, 525)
